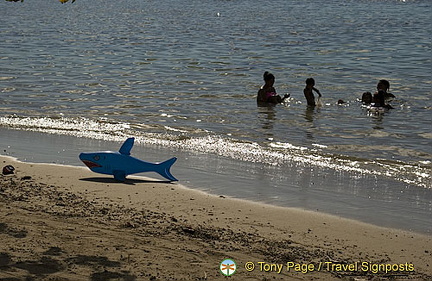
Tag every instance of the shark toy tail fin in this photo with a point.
(163, 169)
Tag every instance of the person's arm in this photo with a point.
(261, 95)
(317, 91)
(389, 96)
(274, 99)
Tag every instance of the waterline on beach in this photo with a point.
(347, 193)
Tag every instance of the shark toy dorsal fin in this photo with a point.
(127, 146)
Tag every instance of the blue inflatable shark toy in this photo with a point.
(120, 164)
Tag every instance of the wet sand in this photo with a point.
(67, 223)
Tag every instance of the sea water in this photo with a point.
(182, 77)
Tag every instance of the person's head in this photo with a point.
(268, 78)
(383, 85)
(310, 82)
(367, 98)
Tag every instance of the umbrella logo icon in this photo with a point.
(228, 267)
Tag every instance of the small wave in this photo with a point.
(79, 127)
(174, 129)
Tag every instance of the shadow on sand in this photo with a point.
(129, 181)
(46, 266)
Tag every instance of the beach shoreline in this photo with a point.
(67, 222)
(379, 201)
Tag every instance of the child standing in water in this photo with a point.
(267, 94)
(380, 96)
(384, 85)
(308, 92)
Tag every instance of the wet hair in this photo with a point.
(310, 81)
(386, 83)
(268, 76)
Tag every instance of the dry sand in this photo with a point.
(67, 223)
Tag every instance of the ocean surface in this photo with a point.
(182, 78)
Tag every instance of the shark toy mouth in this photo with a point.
(91, 164)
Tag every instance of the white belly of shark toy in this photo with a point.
(120, 164)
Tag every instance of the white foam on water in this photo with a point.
(274, 154)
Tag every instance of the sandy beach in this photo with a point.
(67, 223)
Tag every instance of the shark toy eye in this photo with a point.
(96, 157)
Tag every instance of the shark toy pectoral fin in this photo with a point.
(125, 149)
(163, 169)
(119, 175)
